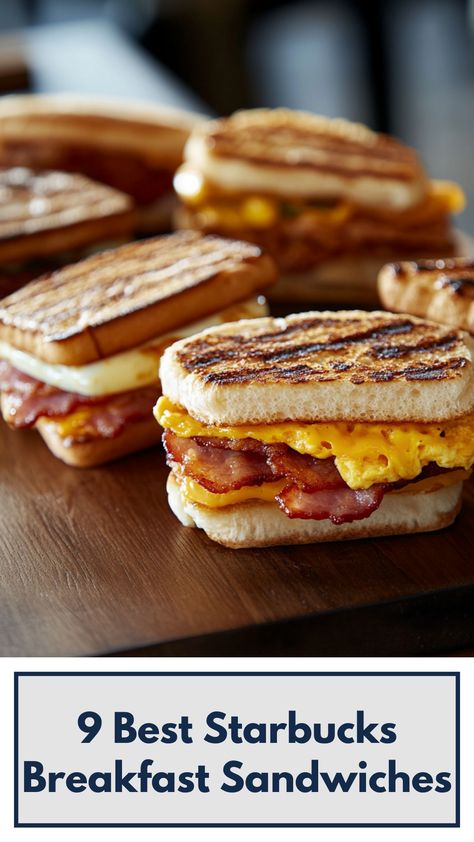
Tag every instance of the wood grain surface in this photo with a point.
(93, 562)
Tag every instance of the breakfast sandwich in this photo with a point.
(321, 426)
(80, 348)
(134, 147)
(50, 218)
(442, 290)
(329, 199)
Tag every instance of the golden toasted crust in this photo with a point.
(322, 366)
(155, 131)
(118, 299)
(47, 212)
(137, 435)
(317, 347)
(309, 155)
(442, 290)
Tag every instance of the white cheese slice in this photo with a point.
(128, 370)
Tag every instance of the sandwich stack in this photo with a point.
(318, 427)
(329, 199)
(80, 348)
(134, 147)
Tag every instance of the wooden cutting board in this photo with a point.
(93, 562)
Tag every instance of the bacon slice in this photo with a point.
(339, 505)
(27, 399)
(109, 419)
(216, 467)
(307, 473)
(315, 488)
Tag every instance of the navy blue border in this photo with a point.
(455, 675)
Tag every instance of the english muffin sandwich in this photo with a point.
(318, 427)
(80, 348)
(331, 200)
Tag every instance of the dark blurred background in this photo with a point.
(402, 66)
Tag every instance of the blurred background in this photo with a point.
(402, 66)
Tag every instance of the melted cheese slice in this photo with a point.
(231, 211)
(129, 370)
(365, 453)
(196, 493)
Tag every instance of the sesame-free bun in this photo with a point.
(302, 155)
(348, 365)
(259, 524)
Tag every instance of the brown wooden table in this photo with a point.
(93, 562)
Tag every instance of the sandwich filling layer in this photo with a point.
(96, 400)
(299, 233)
(335, 471)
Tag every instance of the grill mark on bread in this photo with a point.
(295, 140)
(114, 284)
(455, 275)
(388, 352)
(33, 202)
(313, 348)
(457, 285)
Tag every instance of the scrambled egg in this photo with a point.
(365, 453)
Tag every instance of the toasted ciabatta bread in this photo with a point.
(137, 435)
(442, 290)
(121, 298)
(62, 120)
(297, 154)
(257, 524)
(341, 366)
(46, 213)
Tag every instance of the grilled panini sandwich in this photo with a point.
(134, 147)
(442, 290)
(331, 200)
(318, 427)
(50, 218)
(80, 348)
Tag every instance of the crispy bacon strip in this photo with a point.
(26, 399)
(339, 505)
(308, 473)
(217, 467)
(109, 419)
(315, 489)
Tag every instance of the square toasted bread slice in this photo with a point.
(322, 366)
(46, 213)
(297, 154)
(121, 298)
